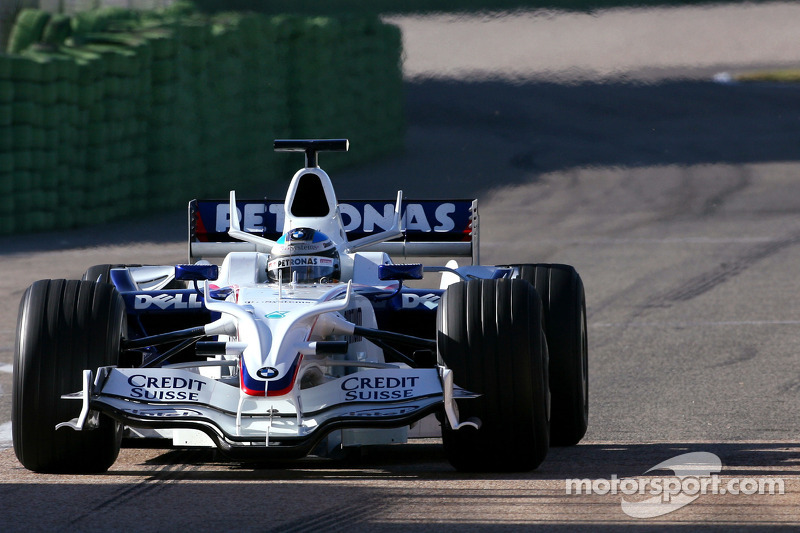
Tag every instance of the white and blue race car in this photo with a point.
(307, 339)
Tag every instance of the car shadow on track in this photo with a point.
(427, 460)
(392, 488)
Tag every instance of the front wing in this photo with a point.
(245, 426)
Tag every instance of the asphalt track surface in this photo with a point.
(677, 199)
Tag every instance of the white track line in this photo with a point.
(5, 436)
(664, 240)
(5, 367)
(695, 324)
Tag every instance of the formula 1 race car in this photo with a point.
(306, 339)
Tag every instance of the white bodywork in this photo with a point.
(275, 379)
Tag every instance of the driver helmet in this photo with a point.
(308, 253)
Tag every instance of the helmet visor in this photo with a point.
(308, 268)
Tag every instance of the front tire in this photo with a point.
(490, 335)
(101, 273)
(63, 328)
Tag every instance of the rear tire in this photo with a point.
(490, 335)
(63, 328)
(100, 273)
(561, 290)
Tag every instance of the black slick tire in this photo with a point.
(63, 328)
(490, 335)
(561, 290)
(99, 273)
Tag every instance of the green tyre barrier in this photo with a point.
(27, 30)
(163, 44)
(6, 120)
(22, 186)
(195, 34)
(6, 165)
(6, 195)
(163, 71)
(23, 159)
(50, 164)
(85, 23)
(41, 68)
(38, 138)
(152, 97)
(6, 90)
(36, 220)
(52, 138)
(49, 94)
(6, 190)
(57, 30)
(74, 201)
(37, 166)
(6, 219)
(86, 96)
(78, 182)
(96, 158)
(121, 151)
(96, 113)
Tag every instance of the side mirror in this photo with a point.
(400, 272)
(196, 272)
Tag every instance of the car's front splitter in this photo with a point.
(290, 425)
(267, 436)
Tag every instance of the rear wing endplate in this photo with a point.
(432, 228)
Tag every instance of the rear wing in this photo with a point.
(432, 228)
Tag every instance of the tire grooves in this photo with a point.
(520, 319)
(71, 340)
(528, 312)
(472, 332)
(489, 325)
(506, 386)
(54, 297)
(74, 331)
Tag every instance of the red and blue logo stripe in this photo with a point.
(277, 387)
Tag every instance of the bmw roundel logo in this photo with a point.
(267, 372)
(298, 235)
